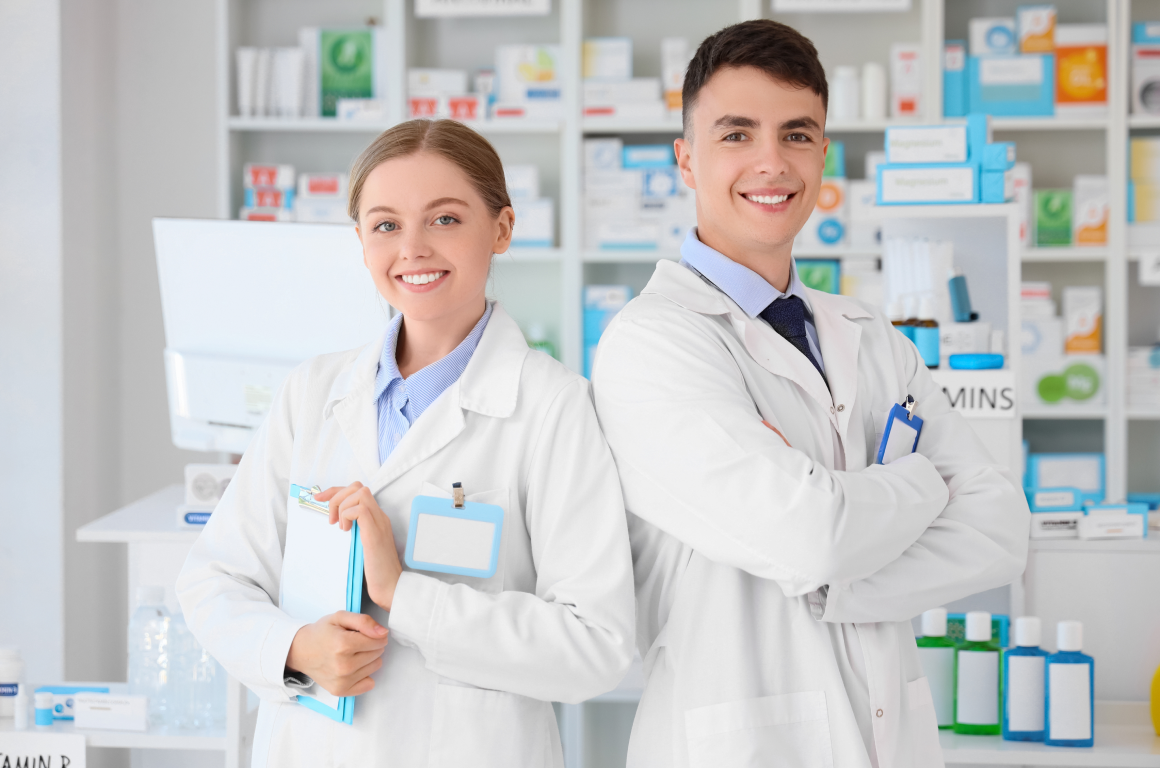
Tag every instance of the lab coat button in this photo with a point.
(831, 409)
(879, 713)
(842, 407)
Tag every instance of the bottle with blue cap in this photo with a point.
(1024, 669)
(977, 678)
(1070, 687)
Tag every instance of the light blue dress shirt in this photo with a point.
(749, 290)
(401, 401)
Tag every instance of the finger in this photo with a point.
(361, 623)
(354, 510)
(336, 500)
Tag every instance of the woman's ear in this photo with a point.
(505, 223)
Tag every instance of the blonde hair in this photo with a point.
(473, 154)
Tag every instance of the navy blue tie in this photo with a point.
(787, 315)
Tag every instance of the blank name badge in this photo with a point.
(449, 539)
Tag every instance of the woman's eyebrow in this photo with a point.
(443, 201)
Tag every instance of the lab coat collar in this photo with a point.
(840, 338)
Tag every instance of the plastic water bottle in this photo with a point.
(197, 682)
(149, 651)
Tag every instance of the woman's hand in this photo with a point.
(380, 558)
(340, 651)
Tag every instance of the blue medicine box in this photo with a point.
(1019, 86)
(648, 156)
(978, 135)
(995, 187)
(999, 156)
(601, 303)
(1043, 469)
(955, 78)
(1146, 32)
(1059, 499)
(927, 183)
(1152, 500)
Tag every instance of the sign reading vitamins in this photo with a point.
(58, 750)
(979, 394)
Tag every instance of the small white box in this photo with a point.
(625, 181)
(628, 235)
(436, 82)
(871, 163)
(1042, 337)
(1089, 210)
(535, 223)
(927, 144)
(547, 109)
(952, 184)
(369, 110)
(602, 154)
(905, 80)
(324, 185)
(674, 61)
(527, 73)
(111, 712)
(1021, 177)
(321, 210)
(865, 227)
(640, 89)
(1145, 79)
(523, 181)
(1083, 319)
(992, 36)
(642, 111)
(206, 483)
(1111, 527)
(964, 338)
(1055, 525)
(607, 58)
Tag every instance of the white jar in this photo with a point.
(11, 675)
(873, 91)
(845, 93)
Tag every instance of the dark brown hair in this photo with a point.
(472, 153)
(776, 49)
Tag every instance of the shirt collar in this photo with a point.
(437, 376)
(748, 289)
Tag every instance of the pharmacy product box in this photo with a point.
(928, 184)
(360, 109)
(1082, 471)
(466, 107)
(1055, 525)
(954, 78)
(614, 183)
(323, 185)
(277, 176)
(832, 194)
(111, 712)
(1146, 32)
(871, 162)
(527, 73)
(205, 484)
(436, 82)
(268, 197)
(64, 698)
(1089, 218)
(864, 224)
(1042, 338)
(602, 154)
(1083, 312)
(643, 111)
(999, 156)
(674, 61)
(607, 58)
(997, 186)
(628, 235)
(321, 210)
(1144, 159)
(1150, 500)
(926, 144)
(905, 80)
(1146, 79)
(640, 89)
(535, 224)
(660, 182)
(1019, 86)
(601, 303)
(835, 160)
(964, 338)
(1035, 27)
(821, 231)
(1062, 499)
(978, 135)
(1052, 209)
(648, 156)
(265, 214)
(1064, 383)
(1137, 508)
(544, 109)
(1144, 377)
(1112, 527)
(992, 36)
(1081, 69)
(523, 181)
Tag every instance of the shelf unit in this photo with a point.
(544, 285)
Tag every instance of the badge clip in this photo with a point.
(457, 495)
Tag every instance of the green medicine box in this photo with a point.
(1053, 217)
(347, 65)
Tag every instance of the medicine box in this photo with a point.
(999, 156)
(325, 185)
(543, 109)
(1082, 471)
(523, 181)
(1052, 217)
(601, 303)
(111, 712)
(1112, 527)
(648, 156)
(1022, 181)
(926, 144)
(992, 36)
(64, 698)
(642, 111)
(321, 210)
(864, 223)
(1055, 525)
(535, 224)
(436, 82)
(1083, 319)
(621, 92)
(660, 182)
(1035, 26)
(928, 184)
(1065, 382)
(835, 160)
(1012, 85)
(674, 61)
(259, 175)
(1089, 218)
(964, 338)
(602, 154)
(905, 80)
(1081, 69)
(1062, 499)
(978, 134)
(268, 197)
(997, 186)
(1138, 508)
(1146, 32)
(265, 214)
(527, 73)
(954, 78)
(205, 484)
(607, 58)
(1042, 338)
(1146, 79)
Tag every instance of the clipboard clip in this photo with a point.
(457, 495)
(306, 499)
(908, 404)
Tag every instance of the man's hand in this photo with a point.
(340, 651)
(380, 558)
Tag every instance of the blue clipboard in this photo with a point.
(454, 536)
(344, 713)
(900, 437)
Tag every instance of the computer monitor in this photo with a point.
(243, 304)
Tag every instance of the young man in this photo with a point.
(777, 567)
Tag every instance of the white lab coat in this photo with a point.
(734, 532)
(472, 664)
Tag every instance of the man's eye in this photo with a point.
(387, 226)
(798, 137)
(445, 220)
(735, 137)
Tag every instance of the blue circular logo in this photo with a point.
(830, 231)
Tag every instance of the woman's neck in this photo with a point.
(423, 342)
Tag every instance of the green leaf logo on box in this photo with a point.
(347, 66)
(1053, 217)
(1079, 381)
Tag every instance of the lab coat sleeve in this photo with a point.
(978, 542)
(228, 588)
(573, 638)
(696, 461)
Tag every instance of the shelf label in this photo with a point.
(435, 8)
(979, 394)
(66, 750)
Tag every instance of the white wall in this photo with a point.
(31, 524)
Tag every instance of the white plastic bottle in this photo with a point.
(20, 721)
(149, 651)
(197, 698)
(11, 676)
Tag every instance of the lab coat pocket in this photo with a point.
(498, 497)
(790, 729)
(488, 729)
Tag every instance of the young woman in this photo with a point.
(449, 670)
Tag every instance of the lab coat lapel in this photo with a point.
(839, 337)
(436, 427)
(351, 402)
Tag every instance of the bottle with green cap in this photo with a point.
(937, 655)
(1070, 690)
(977, 678)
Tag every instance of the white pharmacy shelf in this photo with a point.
(333, 125)
(1064, 412)
(629, 255)
(1144, 121)
(1065, 253)
(1143, 413)
(1144, 546)
(620, 125)
(153, 518)
(529, 254)
(155, 738)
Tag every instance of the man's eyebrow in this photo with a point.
(736, 121)
(800, 122)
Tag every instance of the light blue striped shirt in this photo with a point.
(401, 401)
(748, 289)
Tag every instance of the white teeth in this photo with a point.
(423, 279)
(768, 199)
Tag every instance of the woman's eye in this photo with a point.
(387, 226)
(443, 221)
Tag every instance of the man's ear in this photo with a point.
(825, 149)
(683, 150)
